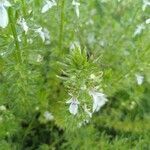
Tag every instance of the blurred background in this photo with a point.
(38, 71)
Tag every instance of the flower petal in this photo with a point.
(48, 116)
(48, 5)
(99, 99)
(7, 3)
(45, 8)
(3, 17)
(73, 108)
(77, 11)
(139, 79)
(24, 25)
(41, 33)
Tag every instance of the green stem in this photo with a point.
(14, 32)
(28, 130)
(24, 15)
(18, 56)
(61, 25)
(24, 8)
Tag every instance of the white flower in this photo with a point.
(19, 38)
(2, 108)
(76, 5)
(44, 34)
(147, 21)
(30, 41)
(39, 58)
(87, 111)
(24, 25)
(3, 54)
(102, 43)
(99, 99)
(83, 123)
(47, 36)
(145, 4)
(74, 45)
(73, 108)
(91, 38)
(83, 87)
(48, 116)
(139, 29)
(3, 13)
(48, 4)
(92, 76)
(41, 33)
(139, 79)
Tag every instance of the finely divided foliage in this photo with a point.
(74, 74)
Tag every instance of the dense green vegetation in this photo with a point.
(75, 75)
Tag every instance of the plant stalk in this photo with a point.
(61, 25)
(14, 32)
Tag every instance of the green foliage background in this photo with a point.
(28, 88)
